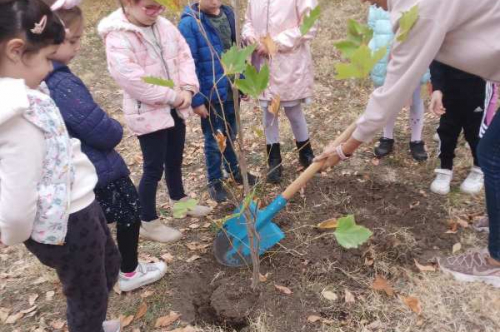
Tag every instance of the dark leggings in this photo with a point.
(162, 152)
(87, 265)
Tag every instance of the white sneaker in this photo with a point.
(144, 274)
(112, 326)
(441, 184)
(156, 231)
(197, 212)
(474, 182)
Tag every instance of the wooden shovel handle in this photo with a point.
(308, 174)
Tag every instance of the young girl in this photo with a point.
(291, 71)
(99, 135)
(380, 22)
(459, 99)
(46, 183)
(140, 43)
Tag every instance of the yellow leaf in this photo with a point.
(274, 108)
(221, 141)
(328, 224)
(425, 268)
(143, 308)
(269, 45)
(349, 298)
(413, 303)
(167, 320)
(380, 284)
(126, 320)
(283, 289)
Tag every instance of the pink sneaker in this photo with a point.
(474, 266)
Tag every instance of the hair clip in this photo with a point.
(40, 26)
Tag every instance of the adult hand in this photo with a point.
(329, 155)
(201, 111)
(436, 105)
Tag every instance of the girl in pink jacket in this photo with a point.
(291, 71)
(140, 43)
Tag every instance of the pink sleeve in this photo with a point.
(248, 32)
(291, 38)
(125, 69)
(187, 68)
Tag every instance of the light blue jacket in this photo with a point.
(379, 21)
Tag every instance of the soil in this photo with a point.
(213, 294)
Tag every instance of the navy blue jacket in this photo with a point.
(86, 121)
(207, 71)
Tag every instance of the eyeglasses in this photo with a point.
(153, 10)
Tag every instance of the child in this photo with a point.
(46, 182)
(99, 135)
(291, 71)
(459, 99)
(140, 43)
(211, 20)
(380, 22)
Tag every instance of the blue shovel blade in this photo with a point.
(232, 245)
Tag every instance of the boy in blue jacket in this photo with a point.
(211, 20)
(99, 135)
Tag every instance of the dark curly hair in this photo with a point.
(18, 17)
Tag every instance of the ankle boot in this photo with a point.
(274, 162)
(306, 155)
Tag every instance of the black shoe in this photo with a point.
(417, 149)
(252, 179)
(217, 192)
(384, 147)
(274, 162)
(306, 155)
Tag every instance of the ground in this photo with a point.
(331, 288)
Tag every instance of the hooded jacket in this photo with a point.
(454, 32)
(132, 56)
(208, 67)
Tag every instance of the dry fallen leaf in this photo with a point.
(136, 330)
(116, 289)
(32, 299)
(126, 320)
(146, 294)
(57, 324)
(263, 278)
(167, 320)
(328, 224)
(283, 289)
(12, 319)
(192, 258)
(197, 246)
(453, 228)
(27, 311)
(143, 308)
(375, 161)
(194, 226)
(4, 314)
(188, 328)
(274, 108)
(380, 284)
(49, 295)
(269, 45)
(168, 257)
(349, 297)
(221, 141)
(313, 319)
(413, 303)
(425, 268)
(463, 223)
(456, 247)
(330, 296)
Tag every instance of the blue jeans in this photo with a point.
(489, 159)
(210, 126)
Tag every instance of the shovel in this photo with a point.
(232, 245)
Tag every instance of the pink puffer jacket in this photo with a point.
(292, 74)
(131, 56)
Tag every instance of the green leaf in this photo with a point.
(406, 23)
(159, 81)
(254, 82)
(309, 20)
(180, 209)
(347, 48)
(362, 62)
(361, 34)
(234, 60)
(349, 235)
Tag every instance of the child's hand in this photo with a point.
(262, 51)
(183, 100)
(201, 111)
(436, 105)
